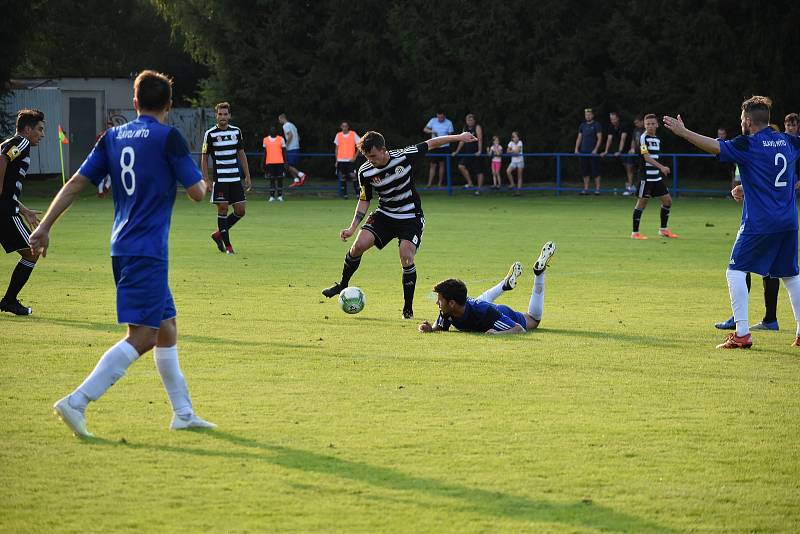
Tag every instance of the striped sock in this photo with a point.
(19, 278)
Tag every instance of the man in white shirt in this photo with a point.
(437, 127)
(292, 151)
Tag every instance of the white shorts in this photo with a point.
(516, 165)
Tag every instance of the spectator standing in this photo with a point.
(437, 127)
(274, 163)
(496, 152)
(469, 162)
(590, 137)
(292, 151)
(618, 137)
(345, 142)
(517, 163)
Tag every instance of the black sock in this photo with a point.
(19, 277)
(665, 216)
(771, 288)
(350, 267)
(409, 284)
(280, 186)
(233, 219)
(637, 218)
(222, 225)
(747, 281)
(272, 182)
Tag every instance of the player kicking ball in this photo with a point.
(146, 159)
(482, 314)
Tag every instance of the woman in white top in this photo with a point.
(517, 162)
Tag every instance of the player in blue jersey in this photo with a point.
(482, 314)
(767, 240)
(146, 159)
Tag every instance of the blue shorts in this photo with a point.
(772, 255)
(515, 316)
(143, 295)
(293, 157)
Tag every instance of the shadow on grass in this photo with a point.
(625, 338)
(106, 327)
(502, 505)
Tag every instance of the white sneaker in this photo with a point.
(179, 423)
(73, 418)
(280, 198)
(271, 199)
(548, 249)
(514, 272)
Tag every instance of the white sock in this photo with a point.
(536, 304)
(490, 295)
(109, 369)
(737, 287)
(301, 174)
(792, 284)
(166, 359)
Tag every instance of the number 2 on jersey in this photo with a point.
(778, 182)
(127, 169)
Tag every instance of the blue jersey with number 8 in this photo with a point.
(146, 160)
(767, 167)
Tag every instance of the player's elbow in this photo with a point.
(197, 191)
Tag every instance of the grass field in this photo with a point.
(616, 415)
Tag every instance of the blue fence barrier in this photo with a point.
(557, 178)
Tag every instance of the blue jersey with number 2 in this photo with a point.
(766, 162)
(146, 160)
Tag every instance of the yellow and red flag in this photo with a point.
(62, 137)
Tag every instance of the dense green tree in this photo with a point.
(115, 38)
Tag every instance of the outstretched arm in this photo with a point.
(464, 137)
(676, 126)
(517, 329)
(361, 212)
(40, 238)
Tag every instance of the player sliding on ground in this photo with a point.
(481, 314)
(145, 159)
(389, 173)
(767, 240)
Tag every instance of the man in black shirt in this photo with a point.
(618, 138)
(15, 157)
(389, 173)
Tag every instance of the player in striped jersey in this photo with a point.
(389, 174)
(651, 183)
(15, 156)
(482, 314)
(224, 143)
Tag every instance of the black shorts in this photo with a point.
(346, 168)
(275, 170)
(386, 228)
(14, 233)
(651, 189)
(227, 192)
(590, 165)
(472, 163)
(439, 150)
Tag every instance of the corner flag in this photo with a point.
(62, 138)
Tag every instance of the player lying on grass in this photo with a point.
(481, 314)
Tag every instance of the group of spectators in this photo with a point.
(594, 143)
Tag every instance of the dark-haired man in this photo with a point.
(482, 314)
(15, 156)
(224, 143)
(146, 159)
(389, 173)
(767, 240)
(652, 183)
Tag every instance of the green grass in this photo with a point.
(616, 415)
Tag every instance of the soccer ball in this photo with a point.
(352, 300)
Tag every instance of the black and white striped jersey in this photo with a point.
(650, 145)
(17, 151)
(222, 146)
(394, 182)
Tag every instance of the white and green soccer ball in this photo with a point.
(352, 300)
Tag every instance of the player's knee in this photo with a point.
(28, 255)
(239, 210)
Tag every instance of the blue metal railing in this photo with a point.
(558, 188)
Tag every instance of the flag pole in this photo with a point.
(62, 140)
